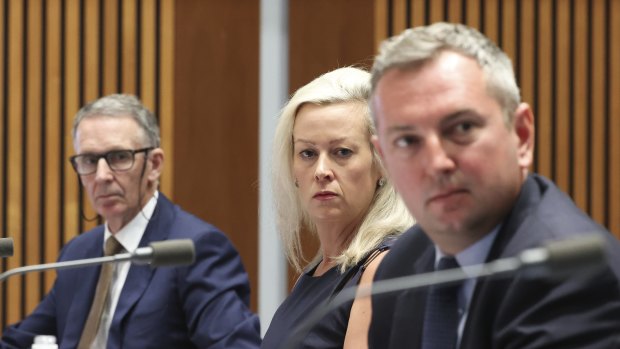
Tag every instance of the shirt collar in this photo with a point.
(130, 235)
(474, 254)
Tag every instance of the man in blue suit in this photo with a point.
(204, 305)
(458, 142)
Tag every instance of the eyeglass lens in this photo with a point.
(118, 160)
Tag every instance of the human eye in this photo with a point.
(405, 141)
(343, 152)
(87, 159)
(119, 156)
(463, 131)
(307, 153)
(463, 127)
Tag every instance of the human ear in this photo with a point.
(156, 157)
(524, 130)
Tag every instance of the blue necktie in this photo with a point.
(441, 318)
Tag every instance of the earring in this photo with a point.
(381, 182)
(296, 183)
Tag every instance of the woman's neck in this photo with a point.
(334, 239)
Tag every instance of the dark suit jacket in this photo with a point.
(204, 305)
(581, 311)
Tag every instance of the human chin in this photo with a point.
(321, 213)
(444, 225)
(452, 214)
(110, 205)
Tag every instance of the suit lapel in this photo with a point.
(410, 306)
(512, 238)
(139, 276)
(83, 289)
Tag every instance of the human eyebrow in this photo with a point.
(400, 128)
(337, 141)
(301, 140)
(450, 118)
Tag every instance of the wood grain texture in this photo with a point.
(57, 56)
(216, 119)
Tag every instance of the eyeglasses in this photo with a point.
(117, 160)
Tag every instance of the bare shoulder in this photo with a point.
(370, 268)
(361, 310)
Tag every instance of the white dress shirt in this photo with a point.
(129, 237)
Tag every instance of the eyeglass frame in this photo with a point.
(105, 155)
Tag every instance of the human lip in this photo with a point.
(106, 196)
(446, 194)
(324, 195)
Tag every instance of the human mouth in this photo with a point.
(324, 195)
(106, 196)
(447, 195)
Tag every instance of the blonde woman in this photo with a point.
(328, 180)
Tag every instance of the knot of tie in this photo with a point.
(112, 246)
(446, 263)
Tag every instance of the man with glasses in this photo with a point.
(205, 305)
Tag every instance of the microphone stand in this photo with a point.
(159, 253)
(556, 259)
(67, 264)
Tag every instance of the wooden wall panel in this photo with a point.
(33, 149)
(526, 51)
(454, 11)
(612, 79)
(473, 14)
(542, 101)
(14, 151)
(327, 34)
(51, 237)
(70, 103)
(129, 49)
(399, 15)
(490, 19)
(579, 99)
(597, 111)
(166, 89)
(566, 56)
(3, 141)
(216, 118)
(436, 11)
(109, 34)
(419, 14)
(56, 55)
(148, 46)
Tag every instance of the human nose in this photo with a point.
(439, 158)
(103, 172)
(323, 169)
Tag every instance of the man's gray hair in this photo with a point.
(122, 105)
(416, 46)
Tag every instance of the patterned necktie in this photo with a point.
(112, 246)
(441, 318)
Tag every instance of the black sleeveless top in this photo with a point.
(310, 293)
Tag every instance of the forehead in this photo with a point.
(329, 121)
(102, 133)
(448, 82)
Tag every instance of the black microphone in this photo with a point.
(6, 247)
(556, 259)
(157, 254)
(166, 253)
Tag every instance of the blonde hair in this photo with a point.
(387, 214)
